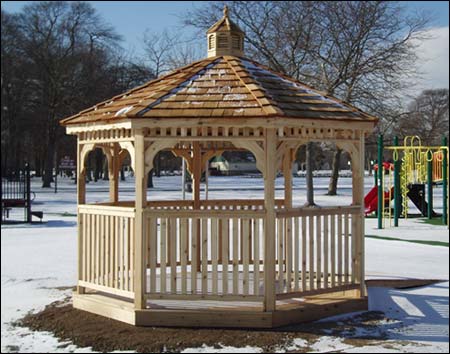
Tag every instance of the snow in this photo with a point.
(223, 349)
(39, 265)
(123, 111)
(234, 97)
(252, 68)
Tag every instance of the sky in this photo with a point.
(132, 18)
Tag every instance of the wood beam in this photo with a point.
(270, 150)
(113, 168)
(140, 204)
(81, 199)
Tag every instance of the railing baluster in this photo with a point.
(204, 270)
(162, 255)
(225, 254)
(194, 231)
(311, 251)
(256, 257)
(296, 233)
(235, 256)
(318, 251)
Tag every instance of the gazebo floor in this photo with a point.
(206, 313)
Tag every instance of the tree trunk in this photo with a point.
(89, 168)
(37, 165)
(98, 164)
(48, 171)
(105, 170)
(150, 179)
(309, 176)
(332, 186)
(158, 165)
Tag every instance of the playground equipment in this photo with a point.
(371, 199)
(414, 167)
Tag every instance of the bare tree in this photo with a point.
(427, 117)
(57, 59)
(168, 50)
(360, 52)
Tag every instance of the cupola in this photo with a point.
(225, 38)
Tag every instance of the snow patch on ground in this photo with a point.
(223, 349)
(39, 266)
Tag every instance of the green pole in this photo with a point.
(375, 174)
(430, 183)
(397, 201)
(444, 182)
(380, 182)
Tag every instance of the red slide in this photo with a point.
(371, 200)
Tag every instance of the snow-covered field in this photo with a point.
(39, 265)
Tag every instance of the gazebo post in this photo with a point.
(270, 150)
(358, 199)
(114, 175)
(140, 203)
(81, 199)
(287, 173)
(196, 174)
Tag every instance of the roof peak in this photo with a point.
(225, 37)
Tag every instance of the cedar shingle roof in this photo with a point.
(221, 87)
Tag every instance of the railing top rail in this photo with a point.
(222, 214)
(106, 210)
(311, 211)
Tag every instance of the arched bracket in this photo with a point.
(285, 147)
(85, 150)
(153, 149)
(350, 148)
(108, 150)
(255, 149)
(186, 155)
(209, 155)
(128, 145)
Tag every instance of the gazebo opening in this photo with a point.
(229, 262)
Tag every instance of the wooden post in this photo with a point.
(270, 148)
(358, 199)
(287, 173)
(141, 195)
(114, 175)
(196, 176)
(81, 199)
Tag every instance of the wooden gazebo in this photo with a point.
(223, 263)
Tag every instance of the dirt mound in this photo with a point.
(102, 334)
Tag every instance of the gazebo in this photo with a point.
(219, 263)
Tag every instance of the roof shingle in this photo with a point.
(220, 87)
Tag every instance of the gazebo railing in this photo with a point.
(316, 249)
(204, 254)
(212, 204)
(217, 252)
(106, 249)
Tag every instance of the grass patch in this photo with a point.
(434, 221)
(422, 242)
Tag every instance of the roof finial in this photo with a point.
(225, 11)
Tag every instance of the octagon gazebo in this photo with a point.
(222, 263)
